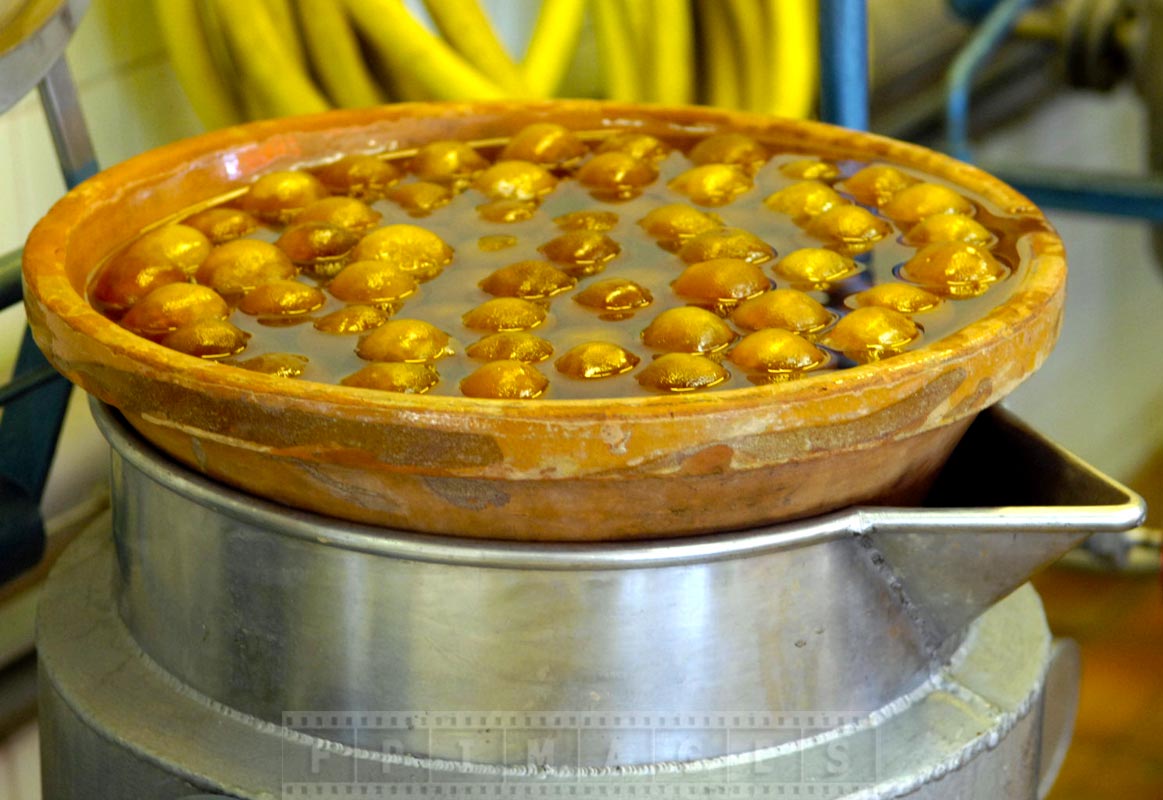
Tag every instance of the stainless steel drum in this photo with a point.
(221, 643)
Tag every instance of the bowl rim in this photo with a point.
(52, 299)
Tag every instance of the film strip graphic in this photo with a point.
(501, 754)
(704, 790)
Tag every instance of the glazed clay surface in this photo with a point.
(643, 467)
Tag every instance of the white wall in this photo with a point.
(1101, 392)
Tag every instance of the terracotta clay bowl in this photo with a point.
(563, 470)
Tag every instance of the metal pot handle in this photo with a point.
(1008, 503)
(1005, 477)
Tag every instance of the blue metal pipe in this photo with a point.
(989, 35)
(1087, 192)
(1065, 189)
(973, 10)
(844, 63)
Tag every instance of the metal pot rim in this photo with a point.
(1106, 513)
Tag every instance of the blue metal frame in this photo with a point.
(973, 10)
(1065, 189)
(994, 29)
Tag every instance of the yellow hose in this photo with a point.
(747, 24)
(335, 54)
(672, 76)
(240, 58)
(214, 100)
(617, 50)
(794, 46)
(719, 56)
(267, 65)
(552, 44)
(283, 16)
(468, 29)
(443, 73)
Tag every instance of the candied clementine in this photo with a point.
(737, 149)
(207, 338)
(616, 175)
(401, 377)
(406, 247)
(545, 143)
(174, 306)
(373, 282)
(511, 346)
(239, 266)
(411, 340)
(688, 329)
(777, 350)
(364, 177)
(581, 253)
(596, 360)
(531, 280)
(515, 180)
(724, 281)
(348, 213)
(456, 163)
(505, 314)
(789, 309)
(712, 184)
(356, 318)
(278, 196)
(682, 372)
(872, 333)
(505, 380)
(283, 298)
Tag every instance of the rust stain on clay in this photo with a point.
(712, 460)
(900, 417)
(471, 495)
(299, 434)
(976, 399)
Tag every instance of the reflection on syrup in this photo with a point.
(482, 244)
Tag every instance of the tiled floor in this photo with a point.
(1118, 620)
(1118, 742)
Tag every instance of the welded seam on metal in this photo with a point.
(940, 681)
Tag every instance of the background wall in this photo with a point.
(1101, 392)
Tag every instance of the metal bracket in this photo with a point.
(1147, 67)
(32, 41)
(36, 400)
